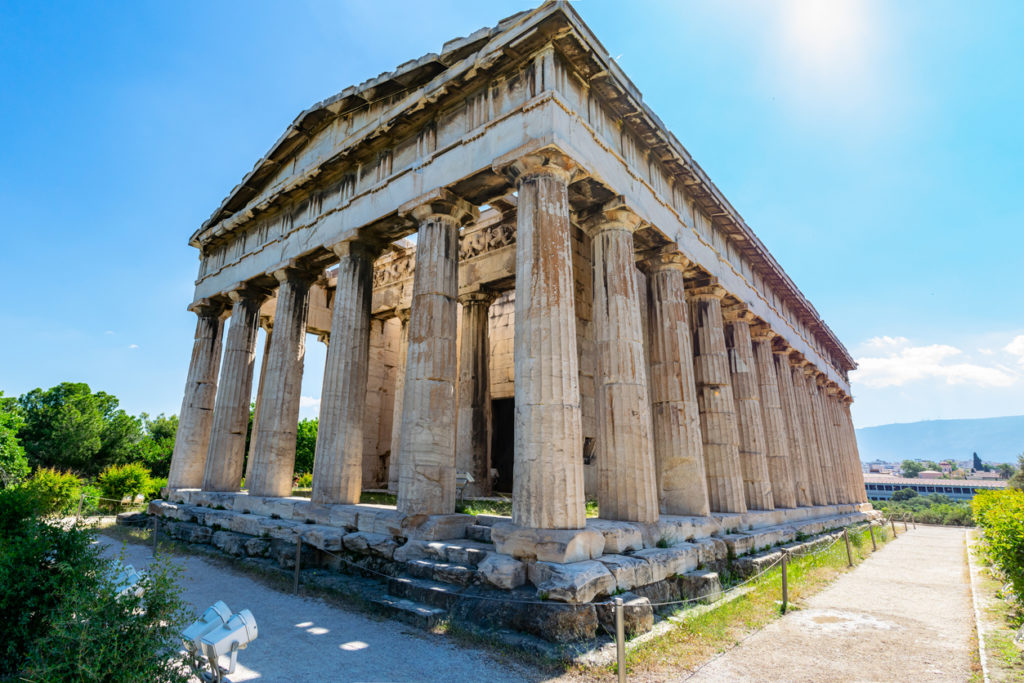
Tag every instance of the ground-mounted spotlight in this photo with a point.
(227, 640)
(215, 616)
(128, 581)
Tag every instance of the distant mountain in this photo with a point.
(994, 439)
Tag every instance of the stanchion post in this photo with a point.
(298, 562)
(905, 527)
(156, 530)
(620, 641)
(81, 500)
(913, 520)
(785, 580)
(871, 530)
(849, 553)
(893, 523)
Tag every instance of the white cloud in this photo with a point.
(309, 402)
(986, 352)
(902, 364)
(1016, 348)
(133, 346)
(109, 332)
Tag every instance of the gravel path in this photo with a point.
(904, 614)
(303, 639)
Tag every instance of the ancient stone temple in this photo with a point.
(578, 312)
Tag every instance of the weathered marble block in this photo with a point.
(666, 562)
(619, 537)
(502, 571)
(547, 545)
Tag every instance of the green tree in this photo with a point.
(69, 427)
(157, 445)
(911, 468)
(305, 445)
(1005, 470)
(904, 494)
(979, 466)
(13, 464)
(1017, 479)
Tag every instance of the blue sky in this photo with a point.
(877, 149)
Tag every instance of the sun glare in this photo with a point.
(828, 31)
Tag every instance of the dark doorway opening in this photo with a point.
(503, 415)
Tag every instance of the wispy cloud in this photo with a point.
(898, 362)
(309, 402)
(109, 332)
(1016, 348)
(133, 346)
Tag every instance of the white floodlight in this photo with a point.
(128, 580)
(216, 615)
(228, 639)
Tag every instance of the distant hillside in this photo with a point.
(995, 439)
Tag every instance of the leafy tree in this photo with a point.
(904, 494)
(911, 468)
(69, 427)
(1017, 479)
(1005, 470)
(979, 466)
(305, 445)
(13, 464)
(157, 445)
(120, 481)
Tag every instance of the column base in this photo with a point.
(547, 545)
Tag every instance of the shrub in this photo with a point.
(155, 484)
(1001, 515)
(124, 481)
(63, 620)
(304, 480)
(57, 492)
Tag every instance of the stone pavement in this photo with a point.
(905, 614)
(302, 639)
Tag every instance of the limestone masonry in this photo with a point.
(582, 314)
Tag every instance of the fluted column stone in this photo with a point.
(473, 436)
(195, 419)
(395, 458)
(794, 429)
(627, 489)
(268, 325)
(825, 446)
(861, 494)
(678, 446)
(426, 479)
(715, 401)
(226, 455)
(338, 464)
(274, 461)
(815, 470)
(547, 490)
(777, 454)
(757, 485)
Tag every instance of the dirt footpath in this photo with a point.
(304, 639)
(905, 614)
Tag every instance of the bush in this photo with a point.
(1001, 515)
(118, 482)
(62, 618)
(155, 484)
(57, 492)
(304, 480)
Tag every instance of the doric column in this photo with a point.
(547, 491)
(396, 414)
(822, 435)
(777, 454)
(678, 447)
(626, 488)
(845, 452)
(794, 429)
(715, 402)
(860, 493)
(832, 455)
(274, 441)
(338, 464)
(473, 436)
(226, 455)
(196, 417)
(757, 484)
(802, 393)
(426, 478)
(268, 325)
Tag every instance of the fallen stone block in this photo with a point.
(705, 586)
(502, 571)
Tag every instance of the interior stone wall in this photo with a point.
(380, 401)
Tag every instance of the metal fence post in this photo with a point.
(893, 523)
(81, 500)
(620, 640)
(849, 553)
(785, 580)
(871, 530)
(298, 562)
(156, 530)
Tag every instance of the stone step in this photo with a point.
(415, 613)
(457, 551)
(479, 532)
(423, 591)
(444, 572)
(766, 538)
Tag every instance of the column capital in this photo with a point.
(208, 307)
(478, 296)
(613, 215)
(659, 260)
(324, 337)
(357, 247)
(267, 322)
(403, 314)
(760, 332)
(439, 202)
(295, 271)
(737, 313)
(247, 291)
(551, 161)
(712, 291)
